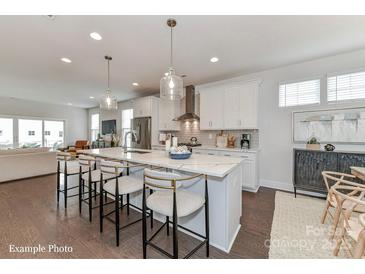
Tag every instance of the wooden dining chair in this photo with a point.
(352, 233)
(334, 179)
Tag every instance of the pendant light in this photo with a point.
(171, 85)
(108, 101)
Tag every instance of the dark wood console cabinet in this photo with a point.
(309, 164)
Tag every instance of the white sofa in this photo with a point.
(22, 163)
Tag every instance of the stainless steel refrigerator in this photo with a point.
(142, 127)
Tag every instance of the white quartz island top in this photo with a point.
(217, 166)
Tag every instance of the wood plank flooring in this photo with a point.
(29, 217)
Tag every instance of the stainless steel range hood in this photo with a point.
(189, 114)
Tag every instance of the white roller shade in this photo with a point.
(300, 93)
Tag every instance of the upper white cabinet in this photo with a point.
(229, 106)
(142, 107)
(211, 108)
(168, 110)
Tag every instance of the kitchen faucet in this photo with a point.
(134, 138)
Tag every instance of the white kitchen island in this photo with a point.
(224, 184)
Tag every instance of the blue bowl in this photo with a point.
(180, 156)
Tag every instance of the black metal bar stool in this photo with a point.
(117, 180)
(67, 167)
(91, 176)
(169, 200)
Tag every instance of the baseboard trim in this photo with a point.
(277, 185)
(288, 187)
(250, 189)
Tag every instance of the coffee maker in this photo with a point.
(245, 141)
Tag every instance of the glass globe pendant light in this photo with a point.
(171, 85)
(108, 102)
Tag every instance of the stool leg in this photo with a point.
(174, 229)
(144, 223)
(207, 216)
(95, 191)
(151, 213)
(58, 182)
(127, 204)
(90, 200)
(167, 225)
(80, 189)
(101, 205)
(117, 211)
(65, 190)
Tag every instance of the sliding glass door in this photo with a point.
(6, 133)
(27, 132)
(53, 134)
(30, 133)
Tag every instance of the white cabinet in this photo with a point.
(142, 107)
(229, 106)
(211, 109)
(240, 106)
(168, 110)
(249, 165)
(249, 105)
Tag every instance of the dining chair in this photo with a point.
(171, 200)
(352, 233)
(334, 179)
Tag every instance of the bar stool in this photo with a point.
(89, 174)
(67, 167)
(115, 184)
(171, 201)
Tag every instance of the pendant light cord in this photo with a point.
(171, 45)
(108, 75)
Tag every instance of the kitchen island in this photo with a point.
(224, 184)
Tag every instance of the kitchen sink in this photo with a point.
(137, 151)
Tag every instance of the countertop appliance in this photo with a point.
(142, 128)
(193, 140)
(245, 141)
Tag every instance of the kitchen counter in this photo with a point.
(224, 187)
(217, 166)
(210, 147)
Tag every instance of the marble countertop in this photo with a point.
(217, 166)
(207, 147)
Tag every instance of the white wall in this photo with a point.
(276, 156)
(76, 118)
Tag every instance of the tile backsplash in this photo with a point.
(190, 129)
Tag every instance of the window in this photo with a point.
(30, 133)
(300, 93)
(346, 87)
(127, 116)
(95, 126)
(6, 133)
(53, 134)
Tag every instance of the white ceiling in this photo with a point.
(31, 48)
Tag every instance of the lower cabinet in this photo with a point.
(249, 166)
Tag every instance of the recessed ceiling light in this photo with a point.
(91, 97)
(135, 84)
(66, 60)
(214, 59)
(96, 36)
(70, 104)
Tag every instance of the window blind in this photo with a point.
(346, 87)
(300, 93)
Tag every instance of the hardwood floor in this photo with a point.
(29, 217)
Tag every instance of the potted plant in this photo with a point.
(313, 143)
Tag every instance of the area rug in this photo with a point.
(297, 232)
